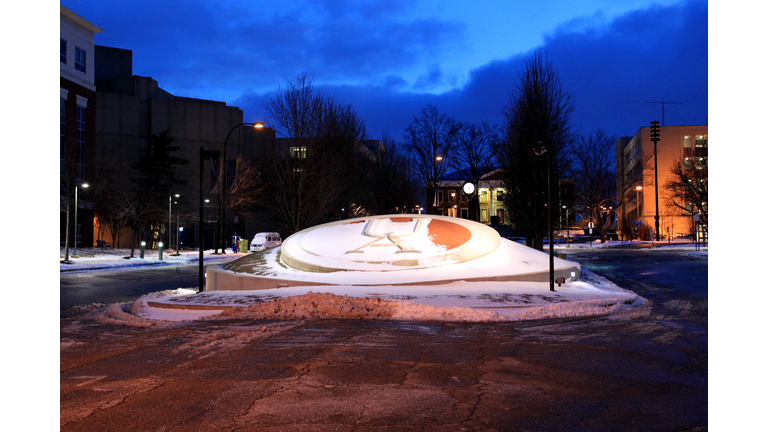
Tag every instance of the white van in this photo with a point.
(265, 240)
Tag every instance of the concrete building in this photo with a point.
(77, 141)
(453, 202)
(635, 167)
(132, 108)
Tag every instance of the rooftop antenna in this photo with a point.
(663, 102)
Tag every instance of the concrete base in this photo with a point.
(218, 279)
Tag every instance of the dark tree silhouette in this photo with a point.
(429, 139)
(538, 110)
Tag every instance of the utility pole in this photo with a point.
(655, 139)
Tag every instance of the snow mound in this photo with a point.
(121, 314)
(316, 305)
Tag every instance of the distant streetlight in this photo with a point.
(638, 189)
(74, 251)
(438, 159)
(540, 150)
(568, 228)
(170, 213)
(178, 223)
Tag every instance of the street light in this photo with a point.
(74, 251)
(204, 155)
(438, 159)
(178, 218)
(540, 150)
(223, 176)
(638, 189)
(170, 213)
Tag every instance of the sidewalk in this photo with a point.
(107, 258)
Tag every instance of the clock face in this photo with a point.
(469, 188)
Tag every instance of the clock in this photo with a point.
(469, 188)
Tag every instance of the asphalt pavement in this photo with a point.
(643, 370)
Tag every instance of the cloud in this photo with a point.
(615, 70)
(234, 45)
(387, 63)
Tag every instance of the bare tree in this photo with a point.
(538, 111)
(316, 173)
(594, 175)
(241, 192)
(688, 187)
(396, 189)
(429, 139)
(473, 155)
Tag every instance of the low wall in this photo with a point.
(223, 280)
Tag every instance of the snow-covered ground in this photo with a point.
(91, 259)
(457, 301)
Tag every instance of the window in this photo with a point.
(701, 141)
(500, 195)
(79, 59)
(80, 143)
(452, 197)
(701, 163)
(687, 164)
(63, 55)
(687, 141)
(484, 215)
(484, 196)
(298, 152)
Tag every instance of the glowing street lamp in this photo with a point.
(223, 175)
(74, 251)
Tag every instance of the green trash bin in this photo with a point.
(243, 246)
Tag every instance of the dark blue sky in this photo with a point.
(389, 59)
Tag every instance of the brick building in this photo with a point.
(634, 167)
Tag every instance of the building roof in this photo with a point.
(80, 20)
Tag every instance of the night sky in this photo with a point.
(389, 59)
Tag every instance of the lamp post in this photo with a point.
(438, 159)
(655, 138)
(204, 155)
(223, 176)
(638, 189)
(540, 150)
(568, 228)
(170, 215)
(74, 251)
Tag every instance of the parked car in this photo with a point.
(265, 240)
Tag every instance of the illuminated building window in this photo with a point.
(484, 196)
(298, 152)
(701, 141)
(687, 141)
